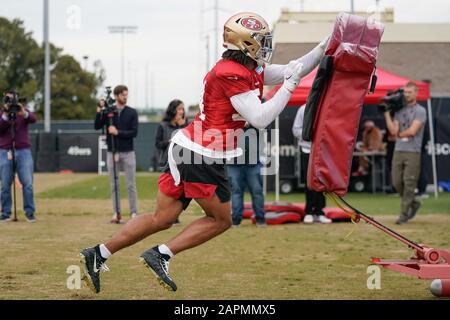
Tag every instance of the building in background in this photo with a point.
(419, 51)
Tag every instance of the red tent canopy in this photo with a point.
(386, 81)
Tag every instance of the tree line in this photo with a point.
(73, 90)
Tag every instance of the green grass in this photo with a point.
(380, 203)
(98, 188)
(292, 261)
(376, 204)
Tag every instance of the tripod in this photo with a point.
(110, 116)
(13, 158)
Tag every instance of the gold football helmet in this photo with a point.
(250, 33)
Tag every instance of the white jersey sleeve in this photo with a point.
(260, 115)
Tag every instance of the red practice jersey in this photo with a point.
(214, 127)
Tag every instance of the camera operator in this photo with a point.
(408, 127)
(15, 143)
(119, 139)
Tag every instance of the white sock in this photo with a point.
(104, 252)
(165, 250)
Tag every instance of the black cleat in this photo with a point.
(92, 264)
(158, 263)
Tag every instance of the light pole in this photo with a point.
(146, 86)
(216, 29)
(152, 89)
(122, 30)
(46, 69)
(207, 52)
(85, 58)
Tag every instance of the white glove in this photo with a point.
(292, 75)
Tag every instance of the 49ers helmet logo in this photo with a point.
(251, 23)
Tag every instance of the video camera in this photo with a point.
(394, 101)
(110, 106)
(12, 103)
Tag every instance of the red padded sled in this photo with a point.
(247, 214)
(298, 208)
(273, 218)
(353, 49)
(337, 215)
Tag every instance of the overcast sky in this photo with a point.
(171, 34)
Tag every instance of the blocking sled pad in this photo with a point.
(334, 105)
(291, 212)
(333, 112)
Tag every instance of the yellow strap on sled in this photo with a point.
(351, 213)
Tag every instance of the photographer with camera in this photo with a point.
(121, 123)
(407, 125)
(15, 155)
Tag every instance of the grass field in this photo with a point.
(278, 262)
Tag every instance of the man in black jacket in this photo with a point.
(120, 135)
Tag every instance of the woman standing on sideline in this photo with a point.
(174, 119)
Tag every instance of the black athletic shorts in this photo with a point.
(189, 175)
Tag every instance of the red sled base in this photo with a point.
(427, 262)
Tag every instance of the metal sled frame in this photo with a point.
(427, 262)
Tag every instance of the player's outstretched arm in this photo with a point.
(274, 74)
(260, 115)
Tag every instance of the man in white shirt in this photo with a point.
(315, 201)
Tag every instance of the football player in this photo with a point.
(196, 167)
